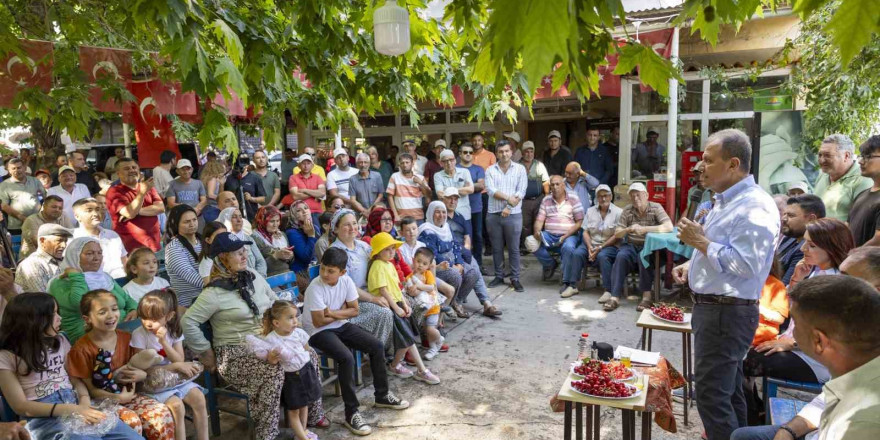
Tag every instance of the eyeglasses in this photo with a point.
(387, 219)
(467, 151)
(867, 158)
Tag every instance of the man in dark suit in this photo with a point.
(797, 213)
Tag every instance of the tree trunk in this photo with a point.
(47, 145)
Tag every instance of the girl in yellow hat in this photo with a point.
(383, 281)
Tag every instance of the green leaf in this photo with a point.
(654, 70)
(548, 42)
(229, 75)
(709, 30)
(852, 25)
(230, 40)
(806, 7)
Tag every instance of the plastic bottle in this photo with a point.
(583, 346)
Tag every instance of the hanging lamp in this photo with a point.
(391, 29)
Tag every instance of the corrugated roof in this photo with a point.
(650, 5)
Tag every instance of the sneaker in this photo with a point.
(357, 425)
(496, 282)
(400, 371)
(323, 423)
(311, 435)
(427, 377)
(517, 286)
(430, 355)
(391, 401)
(563, 287)
(605, 297)
(569, 292)
(549, 272)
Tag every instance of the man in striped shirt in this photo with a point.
(406, 189)
(506, 183)
(560, 216)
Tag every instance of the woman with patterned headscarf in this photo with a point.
(271, 240)
(233, 220)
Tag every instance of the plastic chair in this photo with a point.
(282, 280)
(314, 271)
(772, 385)
(783, 410)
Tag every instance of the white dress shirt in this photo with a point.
(742, 228)
(512, 183)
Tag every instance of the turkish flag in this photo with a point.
(661, 42)
(31, 69)
(100, 62)
(234, 107)
(152, 129)
(169, 100)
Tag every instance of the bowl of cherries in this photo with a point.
(614, 369)
(604, 386)
(668, 312)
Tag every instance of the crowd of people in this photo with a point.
(400, 244)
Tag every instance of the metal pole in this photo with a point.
(672, 132)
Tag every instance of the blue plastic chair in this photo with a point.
(314, 271)
(781, 410)
(282, 280)
(772, 385)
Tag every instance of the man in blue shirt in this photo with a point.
(594, 158)
(478, 176)
(733, 256)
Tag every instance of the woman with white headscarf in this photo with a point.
(232, 218)
(82, 271)
(451, 267)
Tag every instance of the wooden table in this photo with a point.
(593, 406)
(649, 323)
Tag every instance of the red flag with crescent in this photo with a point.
(152, 128)
(29, 68)
(99, 63)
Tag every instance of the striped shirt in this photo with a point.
(340, 180)
(511, 183)
(407, 196)
(183, 271)
(560, 217)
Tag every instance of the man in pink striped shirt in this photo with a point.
(556, 229)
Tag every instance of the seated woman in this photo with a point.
(302, 234)
(82, 272)
(375, 317)
(827, 242)
(234, 302)
(382, 220)
(234, 222)
(451, 267)
(271, 241)
(182, 252)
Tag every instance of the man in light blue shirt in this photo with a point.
(734, 253)
(506, 183)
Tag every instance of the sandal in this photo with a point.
(492, 312)
(459, 310)
(644, 304)
(611, 304)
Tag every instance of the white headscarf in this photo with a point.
(442, 231)
(95, 280)
(225, 217)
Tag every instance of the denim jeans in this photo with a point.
(505, 230)
(722, 335)
(50, 428)
(765, 432)
(605, 260)
(565, 250)
(626, 261)
(477, 237)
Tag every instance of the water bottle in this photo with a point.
(583, 346)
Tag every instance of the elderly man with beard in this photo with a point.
(35, 271)
(51, 212)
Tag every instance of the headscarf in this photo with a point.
(442, 231)
(95, 280)
(374, 221)
(339, 214)
(225, 217)
(241, 282)
(264, 214)
(292, 222)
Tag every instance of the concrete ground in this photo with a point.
(499, 374)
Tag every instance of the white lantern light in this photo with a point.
(391, 29)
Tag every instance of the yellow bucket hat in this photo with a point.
(381, 241)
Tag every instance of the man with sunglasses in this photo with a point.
(475, 200)
(864, 216)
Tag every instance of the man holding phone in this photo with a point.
(134, 206)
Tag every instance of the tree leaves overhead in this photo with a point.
(652, 67)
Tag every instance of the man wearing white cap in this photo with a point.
(453, 177)
(339, 180)
(636, 221)
(308, 186)
(515, 140)
(186, 190)
(366, 185)
(556, 158)
(419, 161)
(798, 189)
(68, 190)
(599, 245)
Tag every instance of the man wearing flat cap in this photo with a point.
(33, 274)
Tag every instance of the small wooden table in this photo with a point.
(593, 406)
(649, 323)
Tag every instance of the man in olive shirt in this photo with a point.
(20, 194)
(840, 180)
(271, 183)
